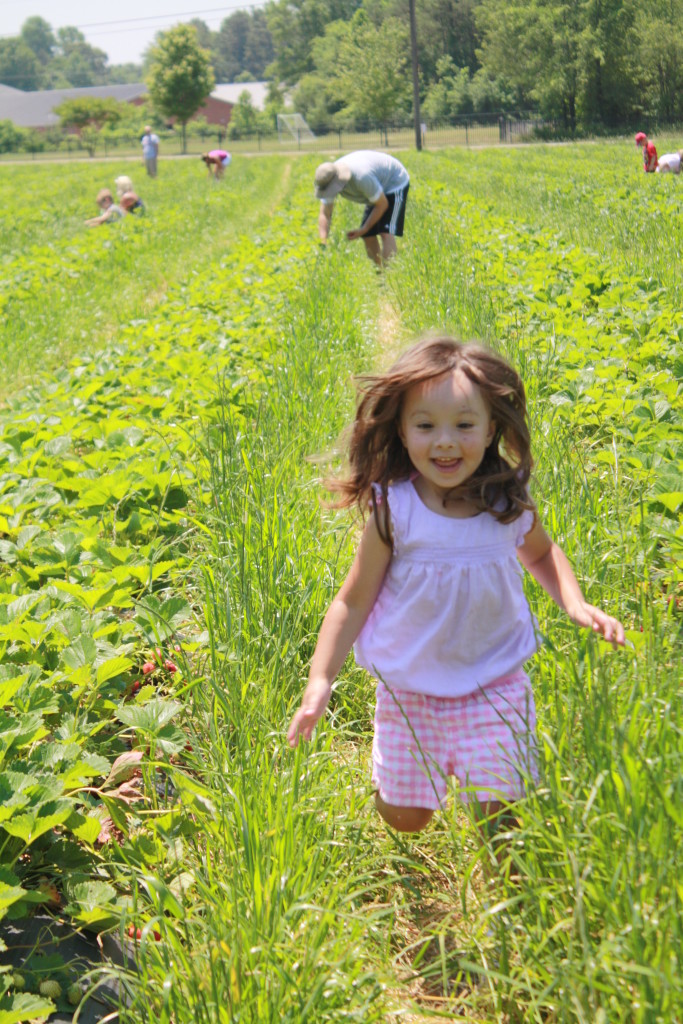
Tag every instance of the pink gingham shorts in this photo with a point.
(486, 739)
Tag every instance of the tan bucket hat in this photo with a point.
(330, 179)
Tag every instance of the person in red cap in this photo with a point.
(649, 152)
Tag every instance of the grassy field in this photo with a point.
(166, 563)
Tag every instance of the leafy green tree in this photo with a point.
(318, 95)
(180, 77)
(294, 25)
(11, 137)
(373, 77)
(244, 118)
(491, 93)
(88, 111)
(88, 115)
(609, 73)
(243, 46)
(445, 28)
(76, 63)
(39, 37)
(659, 52)
(19, 66)
(450, 94)
(259, 52)
(535, 46)
(124, 74)
(585, 63)
(275, 104)
(205, 37)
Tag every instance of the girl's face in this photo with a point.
(446, 427)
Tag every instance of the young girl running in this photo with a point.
(434, 601)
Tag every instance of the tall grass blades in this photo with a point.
(158, 494)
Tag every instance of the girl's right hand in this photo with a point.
(313, 703)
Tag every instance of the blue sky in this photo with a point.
(123, 29)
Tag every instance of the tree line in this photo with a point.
(582, 64)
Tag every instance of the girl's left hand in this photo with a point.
(594, 618)
(356, 233)
(315, 699)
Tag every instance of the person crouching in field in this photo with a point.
(131, 203)
(670, 163)
(111, 211)
(434, 603)
(123, 184)
(380, 183)
(216, 161)
(649, 152)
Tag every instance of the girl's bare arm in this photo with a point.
(549, 566)
(343, 622)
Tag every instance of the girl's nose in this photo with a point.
(445, 440)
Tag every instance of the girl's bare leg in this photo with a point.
(404, 819)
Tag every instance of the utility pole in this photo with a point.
(416, 82)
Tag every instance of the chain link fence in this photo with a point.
(467, 130)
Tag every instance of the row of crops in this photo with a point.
(166, 564)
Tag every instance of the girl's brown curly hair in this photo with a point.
(376, 452)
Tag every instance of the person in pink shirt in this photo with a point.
(649, 152)
(434, 602)
(216, 161)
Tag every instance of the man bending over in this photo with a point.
(380, 183)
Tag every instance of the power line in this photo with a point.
(153, 17)
(164, 17)
(139, 28)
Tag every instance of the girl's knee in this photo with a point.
(404, 819)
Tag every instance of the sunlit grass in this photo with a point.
(278, 893)
(67, 289)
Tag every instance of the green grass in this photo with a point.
(66, 289)
(278, 893)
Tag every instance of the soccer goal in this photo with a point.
(293, 126)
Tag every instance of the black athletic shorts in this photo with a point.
(392, 221)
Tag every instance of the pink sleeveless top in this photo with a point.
(451, 615)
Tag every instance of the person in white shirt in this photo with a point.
(150, 151)
(380, 183)
(670, 163)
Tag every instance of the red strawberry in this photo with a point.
(170, 666)
(148, 667)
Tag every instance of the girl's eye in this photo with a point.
(464, 426)
(424, 426)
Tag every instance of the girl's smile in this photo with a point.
(446, 428)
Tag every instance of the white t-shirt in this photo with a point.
(150, 146)
(372, 174)
(669, 162)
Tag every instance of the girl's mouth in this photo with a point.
(446, 464)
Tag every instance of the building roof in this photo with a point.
(36, 109)
(232, 91)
